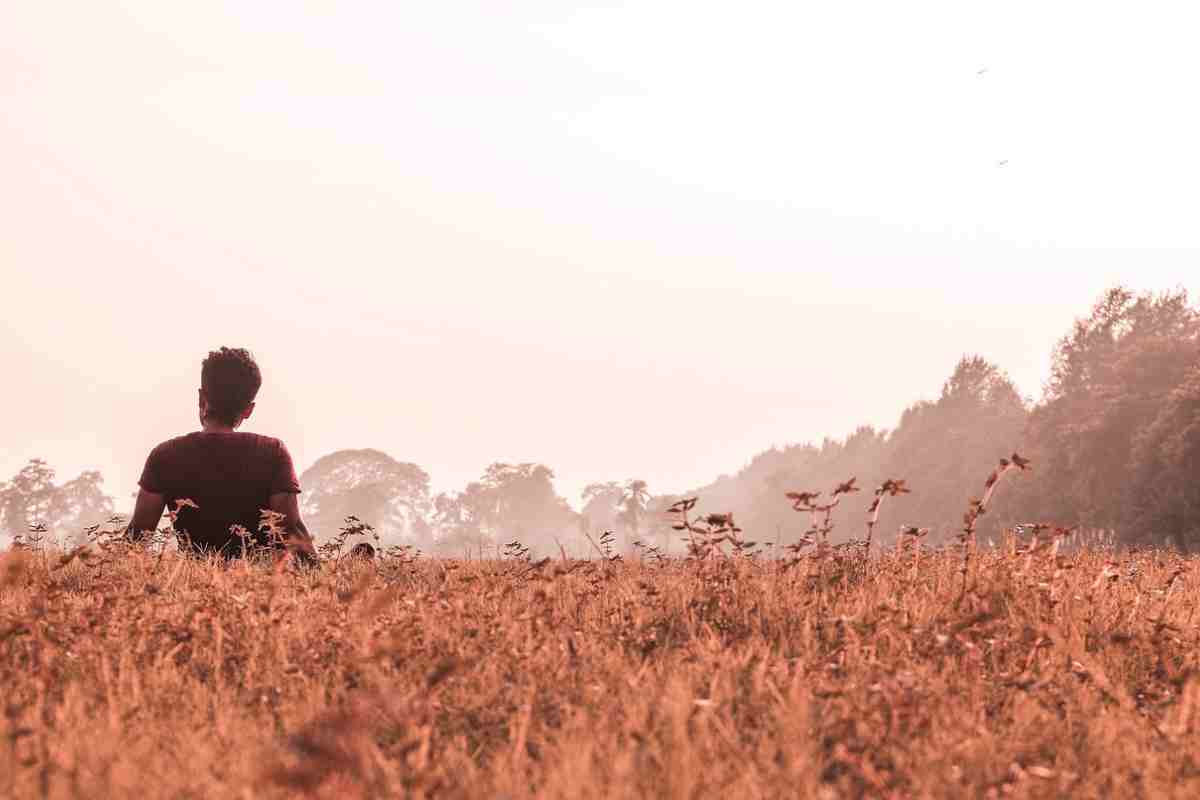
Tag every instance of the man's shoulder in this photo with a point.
(188, 441)
(268, 441)
(261, 444)
(172, 444)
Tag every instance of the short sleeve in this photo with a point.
(152, 472)
(284, 479)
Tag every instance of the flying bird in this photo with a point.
(981, 73)
(1002, 163)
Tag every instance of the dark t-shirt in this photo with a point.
(229, 476)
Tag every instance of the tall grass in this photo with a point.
(1022, 670)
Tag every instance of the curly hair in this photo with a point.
(362, 550)
(230, 379)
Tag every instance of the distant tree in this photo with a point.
(634, 498)
(945, 449)
(760, 506)
(618, 507)
(509, 502)
(461, 521)
(658, 523)
(390, 495)
(31, 496)
(1111, 378)
(1163, 491)
(601, 505)
(27, 497)
(81, 502)
(525, 505)
(755, 495)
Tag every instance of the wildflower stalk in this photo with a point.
(978, 507)
(889, 488)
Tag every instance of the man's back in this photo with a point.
(230, 476)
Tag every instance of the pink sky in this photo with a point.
(620, 242)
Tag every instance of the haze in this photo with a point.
(644, 241)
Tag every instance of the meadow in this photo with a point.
(133, 673)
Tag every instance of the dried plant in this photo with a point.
(979, 506)
(707, 534)
(889, 488)
(137, 670)
(335, 549)
(649, 551)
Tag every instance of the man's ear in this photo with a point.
(201, 400)
(249, 410)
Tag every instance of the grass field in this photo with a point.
(140, 675)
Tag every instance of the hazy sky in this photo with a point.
(641, 240)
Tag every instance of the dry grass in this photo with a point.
(153, 676)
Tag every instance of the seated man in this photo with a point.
(231, 477)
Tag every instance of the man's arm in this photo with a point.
(147, 513)
(298, 539)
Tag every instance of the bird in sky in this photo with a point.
(981, 73)
(1002, 163)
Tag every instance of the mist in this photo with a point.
(548, 237)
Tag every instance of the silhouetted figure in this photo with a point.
(230, 477)
(363, 550)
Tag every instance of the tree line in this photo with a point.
(1114, 440)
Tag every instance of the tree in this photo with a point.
(659, 522)
(509, 502)
(1163, 497)
(601, 507)
(755, 495)
(390, 495)
(634, 498)
(31, 497)
(947, 448)
(27, 497)
(613, 506)
(80, 502)
(525, 505)
(1110, 378)
(461, 521)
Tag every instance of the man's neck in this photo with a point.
(215, 427)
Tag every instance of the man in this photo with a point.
(363, 551)
(229, 476)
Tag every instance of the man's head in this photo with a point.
(362, 550)
(229, 382)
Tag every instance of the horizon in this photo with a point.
(123, 504)
(623, 243)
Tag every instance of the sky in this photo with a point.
(624, 240)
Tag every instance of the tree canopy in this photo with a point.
(1117, 394)
(32, 497)
(390, 495)
(509, 502)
